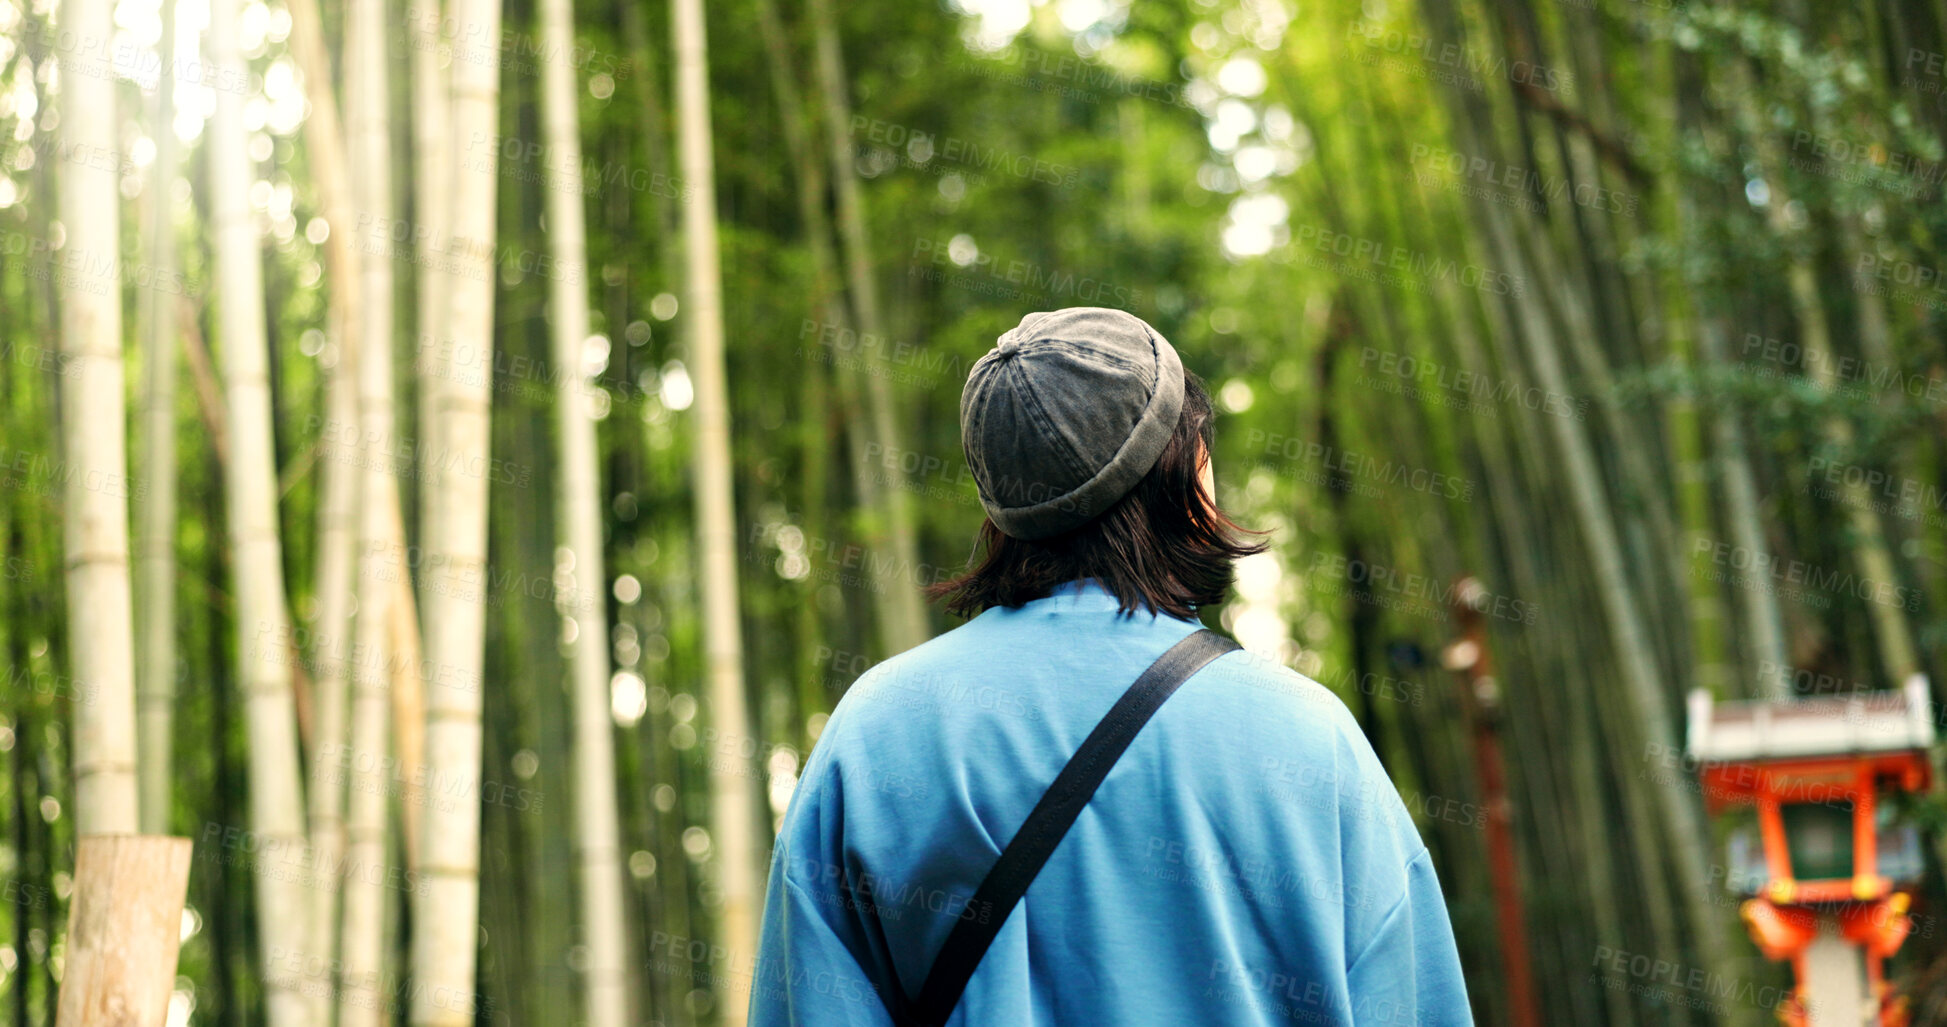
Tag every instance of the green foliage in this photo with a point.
(1353, 246)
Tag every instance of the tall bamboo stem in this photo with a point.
(338, 498)
(446, 910)
(100, 639)
(156, 617)
(361, 1001)
(898, 583)
(262, 630)
(598, 844)
(731, 779)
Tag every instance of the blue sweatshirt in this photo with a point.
(1247, 861)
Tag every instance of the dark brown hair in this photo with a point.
(1165, 546)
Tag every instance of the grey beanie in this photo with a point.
(1065, 415)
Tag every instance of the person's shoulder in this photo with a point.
(1292, 730)
(1267, 688)
(940, 655)
(887, 691)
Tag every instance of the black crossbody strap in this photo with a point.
(1004, 885)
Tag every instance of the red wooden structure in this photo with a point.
(1824, 883)
(1480, 699)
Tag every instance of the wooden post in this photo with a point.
(1481, 701)
(124, 927)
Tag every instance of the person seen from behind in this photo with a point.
(1009, 825)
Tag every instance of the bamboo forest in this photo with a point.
(456, 455)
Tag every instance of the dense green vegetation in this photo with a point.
(1631, 311)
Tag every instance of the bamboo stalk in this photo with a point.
(1763, 624)
(124, 930)
(95, 508)
(446, 910)
(263, 629)
(1898, 656)
(598, 845)
(361, 1001)
(406, 663)
(1677, 815)
(733, 802)
(156, 616)
(432, 197)
(903, 604)
(892, 595)
(339, 484)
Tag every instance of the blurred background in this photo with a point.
(1630, 314)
